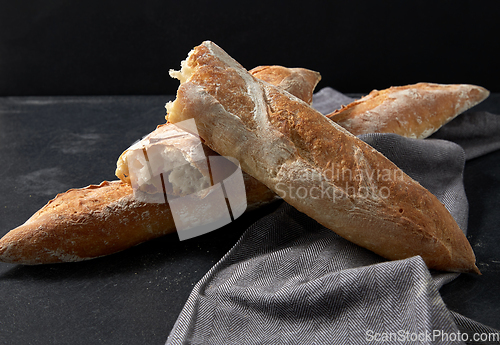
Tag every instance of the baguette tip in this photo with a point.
(475, 270)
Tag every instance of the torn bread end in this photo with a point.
(175, 155)
(185, 71)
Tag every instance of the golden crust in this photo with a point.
(277, 139)
(86, 223)
(99, 220)
(300, 82)
(413, 111)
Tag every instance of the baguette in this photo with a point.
(99, 220)
(298, 153)
(413, 111)
(85, 223)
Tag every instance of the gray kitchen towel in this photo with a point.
(476, 131)
(289, 280)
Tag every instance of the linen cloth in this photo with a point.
(289, 280)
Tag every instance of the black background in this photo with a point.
(124, 47)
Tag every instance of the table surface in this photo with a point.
(51, 144)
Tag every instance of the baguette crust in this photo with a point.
(413, 111)
(86, 223)
(279, 139)
(99, 220)
(300, 82)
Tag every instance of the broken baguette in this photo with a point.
(99, 220)
(412, 111)
(298, 153)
